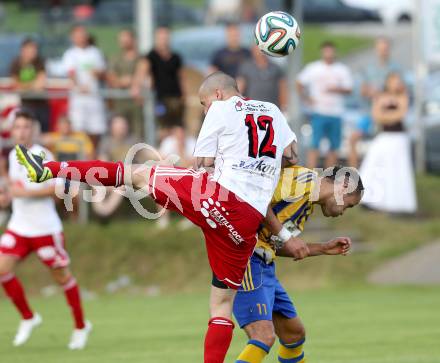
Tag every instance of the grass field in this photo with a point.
(354, 325)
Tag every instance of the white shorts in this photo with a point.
(87, 114)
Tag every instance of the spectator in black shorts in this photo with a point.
(28, 75)
(230, 58)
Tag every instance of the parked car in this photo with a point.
(329, 11)
(390, 11)
(110, 12)
(197, 44)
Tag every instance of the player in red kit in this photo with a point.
(245, 142)
(35, 227)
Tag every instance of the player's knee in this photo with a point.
(138, 174)
(4, 270)
(294, 333)
(61, 276)
(262, 331)
(265, 336)
(5, 267)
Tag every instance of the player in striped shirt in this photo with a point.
(262, 307)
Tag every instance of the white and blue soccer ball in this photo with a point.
(277, 34)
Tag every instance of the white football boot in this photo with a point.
(79, 337)
(25, 329)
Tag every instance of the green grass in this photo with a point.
(20, 21)
(355, 325)
(313, 35)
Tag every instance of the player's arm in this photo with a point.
(337, 246)
(290, 154)
(205, 162)
(294, 246)
(19, 191)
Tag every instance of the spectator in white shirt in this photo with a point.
(322, 85)
(85, 65)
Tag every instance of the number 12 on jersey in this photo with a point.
(266, 148)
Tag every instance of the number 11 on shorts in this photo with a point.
(262, 308)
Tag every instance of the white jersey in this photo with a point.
(247, 139)
(318, 77)
(32, 217)
(83, 61)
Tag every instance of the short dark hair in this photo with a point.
(383, 38)
(27, 41)
(77, 26)
(129, 31)
(231, 24)
(164, 26)
(327, 44)
(24, 113)
(338, 172)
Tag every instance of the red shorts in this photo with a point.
(228, 223)
(49, 248)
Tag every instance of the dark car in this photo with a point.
(432, 136)
(329, 11)
(165, 12)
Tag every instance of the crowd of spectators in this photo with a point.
(95, 127)
(91, 125)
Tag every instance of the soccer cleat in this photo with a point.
(25, 329)
(79, 337)
(36, 170)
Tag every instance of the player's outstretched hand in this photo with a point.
(296, 248)
(337, 246)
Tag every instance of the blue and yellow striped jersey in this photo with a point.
(291, 204)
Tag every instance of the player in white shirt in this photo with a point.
(245, 141)
(322, 86)
(35, 227)
(85, 65)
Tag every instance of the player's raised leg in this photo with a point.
(92, 172)
(14, 290)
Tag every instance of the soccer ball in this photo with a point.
(277, 34)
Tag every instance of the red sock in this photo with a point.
(14, 290)
(73, 298)
(217, 339)
(92, 172)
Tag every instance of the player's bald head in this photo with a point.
(217, 86)
(218, 81)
